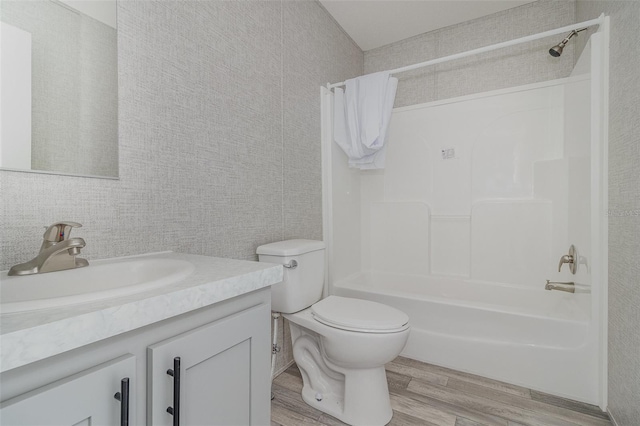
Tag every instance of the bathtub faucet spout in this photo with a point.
(569, 287)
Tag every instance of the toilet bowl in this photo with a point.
(343, 368)
(340, 344)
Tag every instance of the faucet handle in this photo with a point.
(571, 259)
(59, 231)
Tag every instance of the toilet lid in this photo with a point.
(359, 315)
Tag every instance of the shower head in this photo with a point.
(556, 50)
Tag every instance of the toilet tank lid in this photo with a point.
(290, 247)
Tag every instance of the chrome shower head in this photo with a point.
(556, 50)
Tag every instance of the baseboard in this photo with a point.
(283, 369)
(613, 419)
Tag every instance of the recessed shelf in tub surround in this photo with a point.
(30, 336)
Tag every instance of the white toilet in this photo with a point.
(340, 344)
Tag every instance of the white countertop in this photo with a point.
(31, 336)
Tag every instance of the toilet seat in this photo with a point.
(359, 315)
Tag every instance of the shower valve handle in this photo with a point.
(570, 259)
(565, 259)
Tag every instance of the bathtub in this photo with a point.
(529, 337)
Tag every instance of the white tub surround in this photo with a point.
(32, 336)
(480, 198)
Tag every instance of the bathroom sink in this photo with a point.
(100, 280)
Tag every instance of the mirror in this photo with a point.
(59, 87)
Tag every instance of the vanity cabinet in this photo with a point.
(207, 376)
(224, 353)
(87, 398)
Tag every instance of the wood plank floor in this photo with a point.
(428, 395)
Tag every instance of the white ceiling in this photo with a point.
(375, 23)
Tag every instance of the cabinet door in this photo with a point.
(224, 373)
(86, 398)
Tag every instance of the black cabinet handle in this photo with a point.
(175, 373)
(123, 397)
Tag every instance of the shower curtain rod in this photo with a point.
(496, 46)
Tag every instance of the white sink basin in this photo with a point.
(100, 280)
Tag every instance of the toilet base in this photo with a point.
(357, 396)
(365, 401)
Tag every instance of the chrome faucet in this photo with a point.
(58, 252)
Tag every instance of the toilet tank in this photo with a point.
(302, 286)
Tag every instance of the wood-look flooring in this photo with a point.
(428, 395)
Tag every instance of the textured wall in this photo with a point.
(624, 204)
(219, 136)
(74, 88)
(308, 62)
(523, 64)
